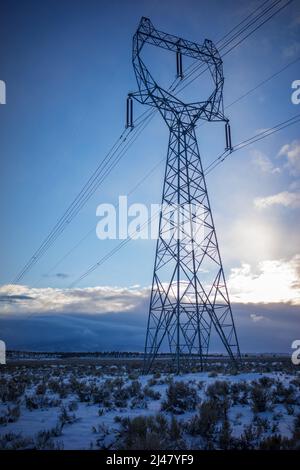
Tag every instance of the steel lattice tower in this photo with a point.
(189, 294)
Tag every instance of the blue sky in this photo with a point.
(67, 68)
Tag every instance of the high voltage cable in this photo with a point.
(217, 161)
(93, 182)
(112, 252)
(196, 66)
(233, 47)
(63, 221)
(252, 22)
(252, 140)
(92, 230)
(263, 82)
(257, 27)
(114, 148)
(86, 193)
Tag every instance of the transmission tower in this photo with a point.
(189, 295)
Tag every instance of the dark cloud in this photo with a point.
(276, 326)
(14, 298)
(57, 275)
(62, 275)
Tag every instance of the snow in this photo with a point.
(94, 424)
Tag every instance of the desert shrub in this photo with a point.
(59, 386)
(152, 382)
(99, 395)
(101, 429)
(274, 428)
(13, 441)
(134, 389)
(290, 409)
(11, 415)
(225, 435)
(254, 434)
(120, 396)
(266, 382)
(232, 371)
(133, 375)
(73, 405)
(248, 438)
(112, 384)
(139, 402)
(138, 433)
(205, 422)
(180, 398)
(12, 389)
(65, 417)
(276, 442)
(218, 390)
(296, 430)
(44, 441)
(213, 374)
(174, 430)
(296, 382)
(108, 405)
(285, 395)
(150, 393)
(31, 403)
(239, 392)
(34, 402)
(200, 384)
(149, 432)
(260, 397)
(41, 389)
(262, 424)
(57, 430)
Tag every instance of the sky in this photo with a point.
(67, 68)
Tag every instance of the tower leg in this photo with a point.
(189, 295)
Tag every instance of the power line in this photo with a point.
(237, 43)
(210, 168)
(263, 82)
(259, 26)
(103, 170)
(261, 135)
(195, 65)
(97, 178)
(92, 230)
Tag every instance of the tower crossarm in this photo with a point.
(169, 105)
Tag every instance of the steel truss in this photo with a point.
(189, 294)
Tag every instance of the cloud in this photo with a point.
(263, 162)
(57, 275)
(115, 318)
(75, 332)
(285, 198)
(62, 275)
(256, 318)
(274, 281)
(101, 299)
(14, 298)
(252, 238)
(126, 331)
(271, 281)
(292, 153)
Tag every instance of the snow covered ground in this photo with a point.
(61, 406)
